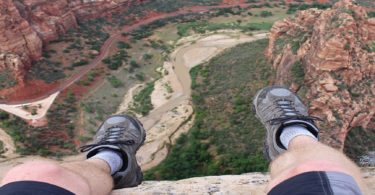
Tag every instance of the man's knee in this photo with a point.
(304, 167)
(34, 171)
(47, 172)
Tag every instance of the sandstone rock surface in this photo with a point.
(250, 183)
(334, 49)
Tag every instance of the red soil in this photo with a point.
(34, 89)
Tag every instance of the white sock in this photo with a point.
(293, 131)
(112, 158)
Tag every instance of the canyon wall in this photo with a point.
(25, 25)
(19, 42)
(333, 51)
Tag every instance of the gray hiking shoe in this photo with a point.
(278, 107)
(125, 135)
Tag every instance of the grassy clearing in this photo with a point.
(226, 138)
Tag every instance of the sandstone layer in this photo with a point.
(334, 51)
(250, 183)
(26, 25)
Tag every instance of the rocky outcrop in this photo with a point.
(25, 25)
(334, 51)
(250, 183)
(53, 18)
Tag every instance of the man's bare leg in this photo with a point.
(111, 162)
(86, 177)
(306, 154)
(299, 162)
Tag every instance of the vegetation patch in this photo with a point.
(7, 79)
(204, 26)
(359, 142)
(293, 7)
(114, 81)
(2, 148)
(55, 139)
(371, 14)
(298, 73)
(116, 61)
(226, 138)
(142, 101)
(46, 70)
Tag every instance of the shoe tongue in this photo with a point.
(115, 120)
(280, 92)
(290, 114)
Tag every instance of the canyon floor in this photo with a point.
(172, 112)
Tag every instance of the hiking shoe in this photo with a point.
(125, 135)
(278, 107)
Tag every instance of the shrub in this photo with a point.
(265, 14)
(147, 56)
(123, 45)
(80, 63)
(134, 64)
(115, 82)
(142, 101)
(4, 115)
(298, 73)
(140, 77)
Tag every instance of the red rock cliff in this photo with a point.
(25, 24)
(335, 51)
(19, 43)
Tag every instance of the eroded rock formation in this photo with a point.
(333, 51)
(26, 24)
(19, 43)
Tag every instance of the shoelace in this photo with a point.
(289, 113)
(281, 120)
(112, 133)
